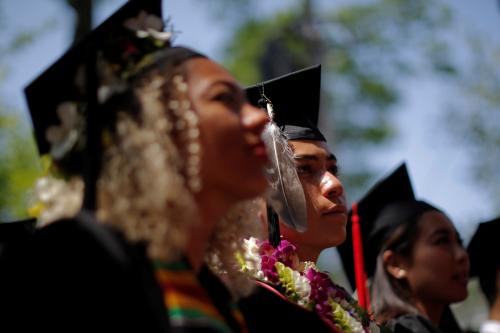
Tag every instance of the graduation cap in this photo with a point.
(62, 81)
(67, 101)
(292, 102)
(394, 188)
(16, 230)
(296, 100)
(63, 100)
(483, 252)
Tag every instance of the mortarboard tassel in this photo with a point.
(273, 227)
(359, 267)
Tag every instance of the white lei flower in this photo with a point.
(302, 288)
(252, 258)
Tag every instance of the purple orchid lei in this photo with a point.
(303, 283)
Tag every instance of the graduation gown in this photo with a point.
(79, 275)
(412, 323)
(267, 310)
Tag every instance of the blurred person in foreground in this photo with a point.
(161, 149)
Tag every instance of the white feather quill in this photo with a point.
(286, 195)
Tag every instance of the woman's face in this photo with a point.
(438, 271)
(233, 154)
(324, 193)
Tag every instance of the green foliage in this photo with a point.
(475, 117)
(365, 49)
(19, 166)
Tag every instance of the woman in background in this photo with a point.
(414, 255)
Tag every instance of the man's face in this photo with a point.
(324, 193)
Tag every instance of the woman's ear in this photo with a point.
(394, 264)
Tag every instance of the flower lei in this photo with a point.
(304, 284)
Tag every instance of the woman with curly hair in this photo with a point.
(161, 143)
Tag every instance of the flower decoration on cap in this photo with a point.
(146, 25)
(63, 138)
(124, 55)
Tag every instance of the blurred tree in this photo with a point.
(19, 166)
(19, 163)
(475, 117)
(366, 50)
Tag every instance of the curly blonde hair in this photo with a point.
(142, 185)
(141, 189)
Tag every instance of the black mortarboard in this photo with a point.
(59, 83)
(74, 78)
(483, 252)
(12, 231)
(296, 99)
(392, 191)
(77, 76)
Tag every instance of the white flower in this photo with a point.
(302, 288)
(374, 328)
(58, 197)
(64, 137)
(252, 257)
(355, 325)
(146, 25)
(106, 91)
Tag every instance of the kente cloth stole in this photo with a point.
(187, 302)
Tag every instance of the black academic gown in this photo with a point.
(267, 311)
(14, 232)
(78, 275)
(221, 298)
(412, 323)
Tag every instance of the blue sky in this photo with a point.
(437, 165)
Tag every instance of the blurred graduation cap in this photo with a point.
(15, 230)
(61, 82)
(63, 100)
(296, 100)
(14, 233)
(292, 102)
(483, 252)
(391, 203)
(394, 188)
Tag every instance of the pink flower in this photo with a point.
(268, 268)
(265, 248)
(286, 253)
